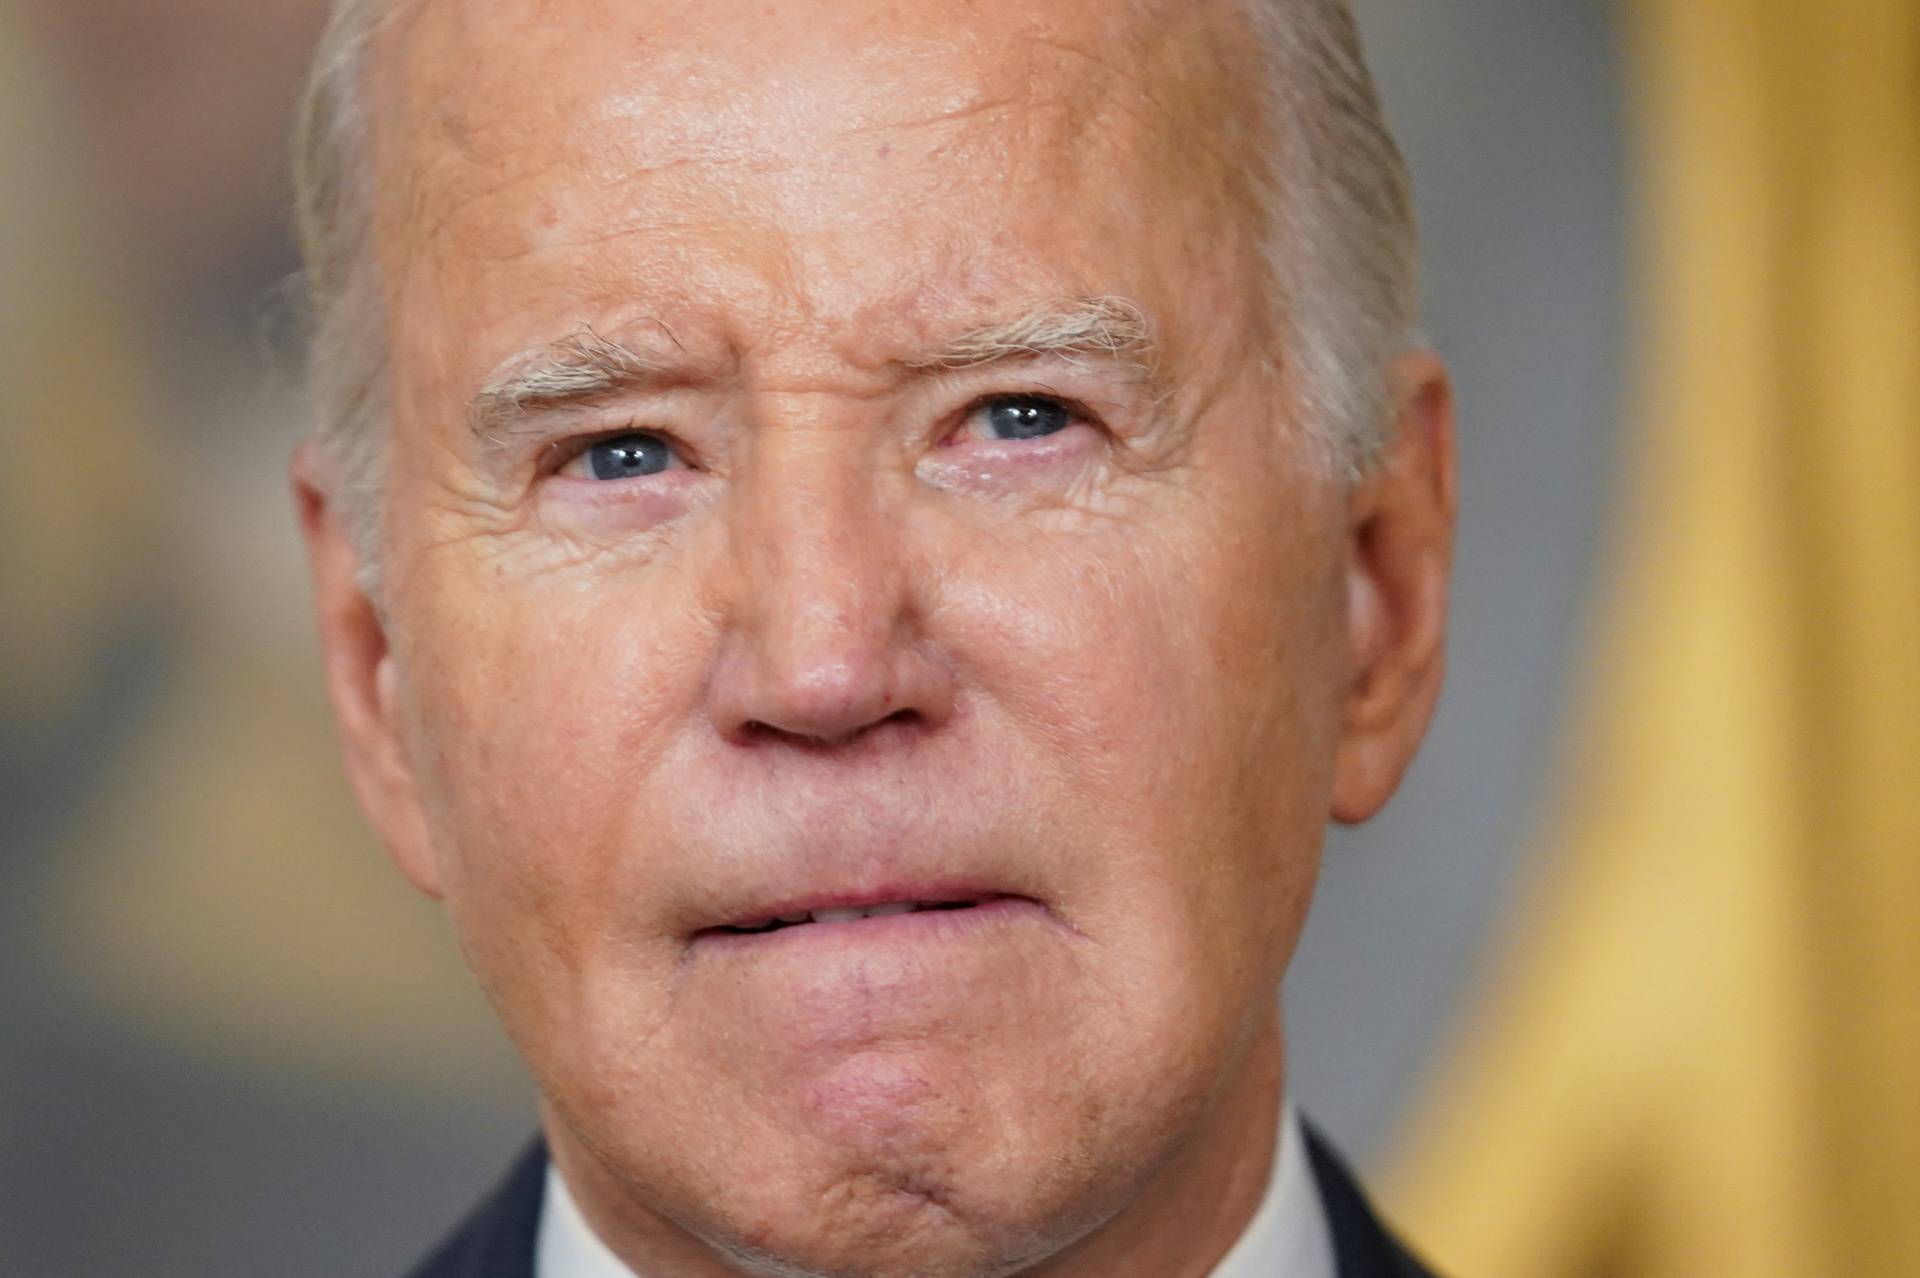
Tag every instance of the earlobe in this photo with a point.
(363, 682)
(1399, 556)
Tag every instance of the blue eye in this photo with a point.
(629, 456)
(1024, 416)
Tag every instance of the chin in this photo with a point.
(890, 1164)
(879, 1215)
(880, 1182)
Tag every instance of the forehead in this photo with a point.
(752, 150)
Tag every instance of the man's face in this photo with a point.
(861, 573)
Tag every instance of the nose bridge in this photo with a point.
(822, 636)
(823, 558)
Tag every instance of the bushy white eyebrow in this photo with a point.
(581, 366)
(1104, 327)
(586, 365)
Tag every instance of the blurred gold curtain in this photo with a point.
(78, 516)
(1701, 1050)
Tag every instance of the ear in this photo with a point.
(1399, 558)
(362, 680)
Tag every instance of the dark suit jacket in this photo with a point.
(496, 1241)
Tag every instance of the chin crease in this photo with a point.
(884, 1222)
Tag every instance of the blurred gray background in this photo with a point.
(230, 1040)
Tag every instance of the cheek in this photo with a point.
(534, 752)
(1180, 692)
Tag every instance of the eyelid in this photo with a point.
(559, 454)
(1077, 410)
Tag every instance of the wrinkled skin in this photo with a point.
(852, 642)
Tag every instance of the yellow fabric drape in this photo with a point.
(1701, 1050)
(78, 465)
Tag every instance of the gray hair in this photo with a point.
(347, 356)
(1342, 248)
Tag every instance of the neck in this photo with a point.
(1185, 1218)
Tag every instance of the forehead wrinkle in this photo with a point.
(1116, 104)
(462, 106)
(458, 98)
(444, 146)
(958, 113)
(461, 112)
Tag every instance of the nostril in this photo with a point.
(766, 687)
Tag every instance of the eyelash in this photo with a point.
(1075, 410)
(564, 452)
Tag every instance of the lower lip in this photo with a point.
(918, 927)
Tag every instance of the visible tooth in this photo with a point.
(836, 916)
(891, 907)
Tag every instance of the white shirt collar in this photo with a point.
(1287, 1237)
(566, 1246)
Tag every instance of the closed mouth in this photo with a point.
(804, 917)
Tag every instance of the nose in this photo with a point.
(826, 637)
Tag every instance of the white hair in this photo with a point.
(1341, 251)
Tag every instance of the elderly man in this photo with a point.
(859, 546)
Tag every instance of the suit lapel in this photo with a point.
(1362, 1246)
(496, 1240)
